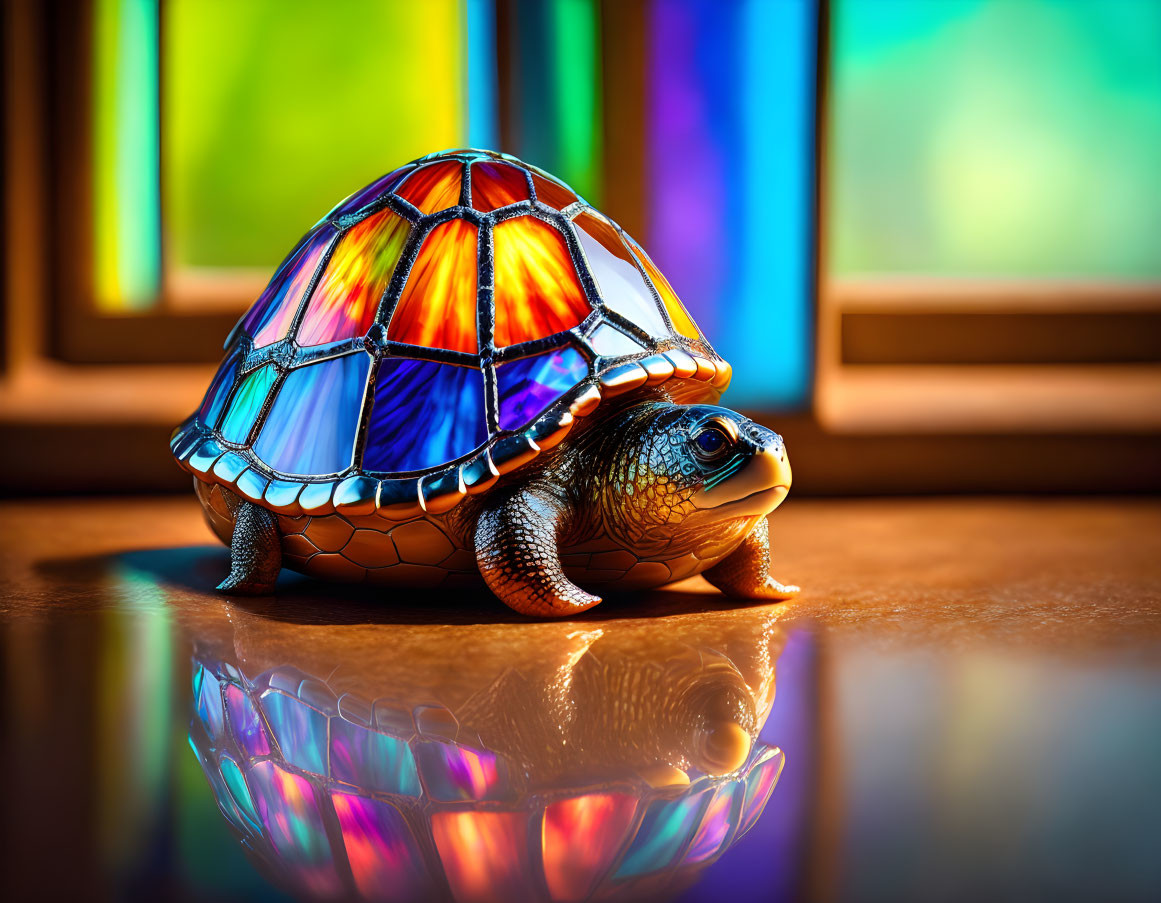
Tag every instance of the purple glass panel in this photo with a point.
(385, 859)
(531, 384)
(372, 192)
(759, 785)
(219, 390)
(311, 427)
(372, 761)
(270, 318)
(245, 724)
(425, 414)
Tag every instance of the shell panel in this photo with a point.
(448, 398)
(346, 299)
(497, 185)
(620, 283)
(529, 385)
(270, 319)
(434, 187)
(438, 306)
(311, 426)
(409, 331)
(537, 291)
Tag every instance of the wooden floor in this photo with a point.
(1084, 572)
(985, 672)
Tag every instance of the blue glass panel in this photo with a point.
(372, 761)
(311, 427)
(425, 414)
(301, 731)
(246, 403)
(663, 833)
(208, 702)
(239, 792)
(531, 384)
(219, 389)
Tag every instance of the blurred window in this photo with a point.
(992, 217)
(996, 138)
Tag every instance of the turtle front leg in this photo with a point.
(745, 572)
(255, 552)
(516, 550)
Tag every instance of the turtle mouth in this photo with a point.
(760, 502)
(758, 488)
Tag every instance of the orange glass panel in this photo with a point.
(537, 289)
(434, 187)
(484, 854)
(681, 320)
(580, 837)
(552, 193)
(346, 299)
(438, 306)
(497, 185)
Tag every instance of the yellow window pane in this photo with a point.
(274, 110)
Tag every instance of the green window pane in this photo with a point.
(274, 110)
(996, 137)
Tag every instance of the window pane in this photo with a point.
(273, 112)
(996, 137)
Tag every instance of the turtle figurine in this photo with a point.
(465, 370)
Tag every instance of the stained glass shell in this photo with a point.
(439, 327)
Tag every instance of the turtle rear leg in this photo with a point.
(255, 552)
(745, 572)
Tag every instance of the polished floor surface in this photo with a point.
(964, 703)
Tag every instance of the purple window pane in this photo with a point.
(424, 414)
(310, 429)
(531, 384)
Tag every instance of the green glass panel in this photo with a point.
(996, 137)
(272, 112)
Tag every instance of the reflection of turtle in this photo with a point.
(396, 404)
(535, 769)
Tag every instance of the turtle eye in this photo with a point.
(710, 443)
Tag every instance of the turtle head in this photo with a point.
(692, 467)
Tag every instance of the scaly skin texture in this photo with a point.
(516, 549)
(255, 551)
(631, 499)
(746, 572)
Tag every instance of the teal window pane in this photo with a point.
(1015, 138)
